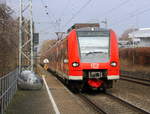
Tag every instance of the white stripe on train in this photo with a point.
(113, 77)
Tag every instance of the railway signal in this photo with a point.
(45, 61)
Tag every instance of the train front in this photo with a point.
(95, 60)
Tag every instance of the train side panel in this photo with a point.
(113, 72)
(58, 58)
(75, 73)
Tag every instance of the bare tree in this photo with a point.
(8, 40)
(125, 36)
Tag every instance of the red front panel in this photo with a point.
(69, 49)
(74, 56)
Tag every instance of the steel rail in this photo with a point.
(135, 81)
(127, 103)
(101, 111)
(83, 97)
(130, 76)
(132, 73)
(91, 103)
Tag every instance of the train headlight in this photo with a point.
(113, 64)
(75, 64)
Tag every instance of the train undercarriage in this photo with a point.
(92, 79)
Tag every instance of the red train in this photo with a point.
(87, 57)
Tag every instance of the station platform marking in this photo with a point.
(50, 96)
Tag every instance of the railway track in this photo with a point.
(92, 104)
(141, 81)
(127, 103)
(139, 75)
(101, 109)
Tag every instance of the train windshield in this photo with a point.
(94, 46)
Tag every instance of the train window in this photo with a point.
(94, 48)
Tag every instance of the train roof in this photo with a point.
(93, 29)
(83, 25)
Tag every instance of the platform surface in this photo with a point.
(31, 102)
(38, 102)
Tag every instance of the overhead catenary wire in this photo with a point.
(105, 14)
(116, 7)
(130, 17)
(132, 14)
(140, 12)
(74, 16)
(64, 9)
(135, 13)
(45, 7)
(77, 13)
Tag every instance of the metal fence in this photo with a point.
(8, 87)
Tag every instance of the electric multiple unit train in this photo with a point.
(86, 57)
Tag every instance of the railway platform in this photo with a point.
(30, 102)
(53, 98)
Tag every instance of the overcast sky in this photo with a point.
(58, 15)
